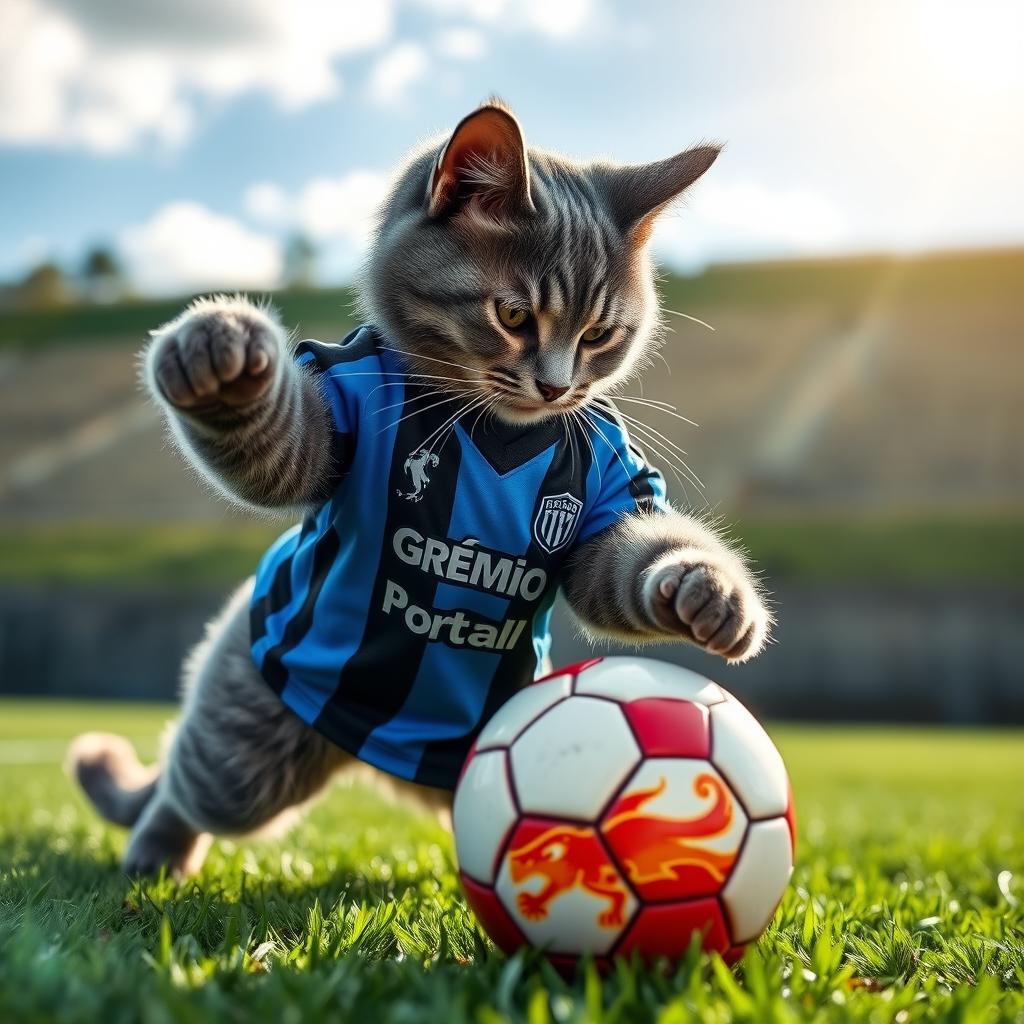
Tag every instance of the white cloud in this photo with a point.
(105, 74)
(39, 54)
(724, 219)
(477, 10)
(186, 247)
(555, 18)
(342, 207)
(267, 202)
(461, 43)
(394, 73)
(326, 209)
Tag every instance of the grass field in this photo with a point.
(905, 903)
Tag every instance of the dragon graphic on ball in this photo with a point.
(624, 806)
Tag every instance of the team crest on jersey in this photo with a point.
(416, 467)
(555, 523)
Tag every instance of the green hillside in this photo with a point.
(842, 284)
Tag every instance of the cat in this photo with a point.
(453, 463)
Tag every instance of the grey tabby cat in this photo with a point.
(517, 279)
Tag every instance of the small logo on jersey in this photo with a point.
(556, 521)
(416, 467)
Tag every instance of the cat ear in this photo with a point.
(637, 193)
(485, 162)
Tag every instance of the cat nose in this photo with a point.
(549, 392)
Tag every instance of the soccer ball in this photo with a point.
(621, 805)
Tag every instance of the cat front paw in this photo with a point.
(219, 352)
(710, 601)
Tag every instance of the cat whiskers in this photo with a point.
(484, 392)
(569, 445)
(578, 419)
(484, 412)
(406, 378)
(664, 448)
(652, 403)
(489, 415)
(686, 316)
(442, 433)
(670, 410)
(434, 359)
(504, 381)
(426, 408)
(604, 437)
(455, 387)
(656, 436)
(646, 430)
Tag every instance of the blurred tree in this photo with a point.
(44, 285)
(102, 277)
(300, 262)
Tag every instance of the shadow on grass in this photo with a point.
(242, 899)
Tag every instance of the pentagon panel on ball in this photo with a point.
(624, 806)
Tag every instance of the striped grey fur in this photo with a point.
(562, 259)
(474, 223)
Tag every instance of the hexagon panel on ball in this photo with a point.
(624, 806)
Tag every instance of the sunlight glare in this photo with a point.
(979, 45)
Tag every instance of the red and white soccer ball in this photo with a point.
(619, 806)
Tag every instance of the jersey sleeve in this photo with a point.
(332, 366)
(621, 479)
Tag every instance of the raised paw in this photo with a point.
(710, 602)
(219, 352)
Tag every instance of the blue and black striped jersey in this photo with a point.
(417, 600)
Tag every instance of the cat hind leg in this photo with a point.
(238, 762)
(113, 778)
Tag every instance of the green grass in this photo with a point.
(846, 284)
(887, 549)
(179, 554)
(905, 904)
(132, 320)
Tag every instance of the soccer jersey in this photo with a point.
(403, 613)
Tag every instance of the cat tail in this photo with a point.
(112, 776)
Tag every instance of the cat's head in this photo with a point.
(521, 274)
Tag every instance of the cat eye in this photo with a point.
(512, 317)
(593, 334)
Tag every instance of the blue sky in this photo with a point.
(195, 136)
